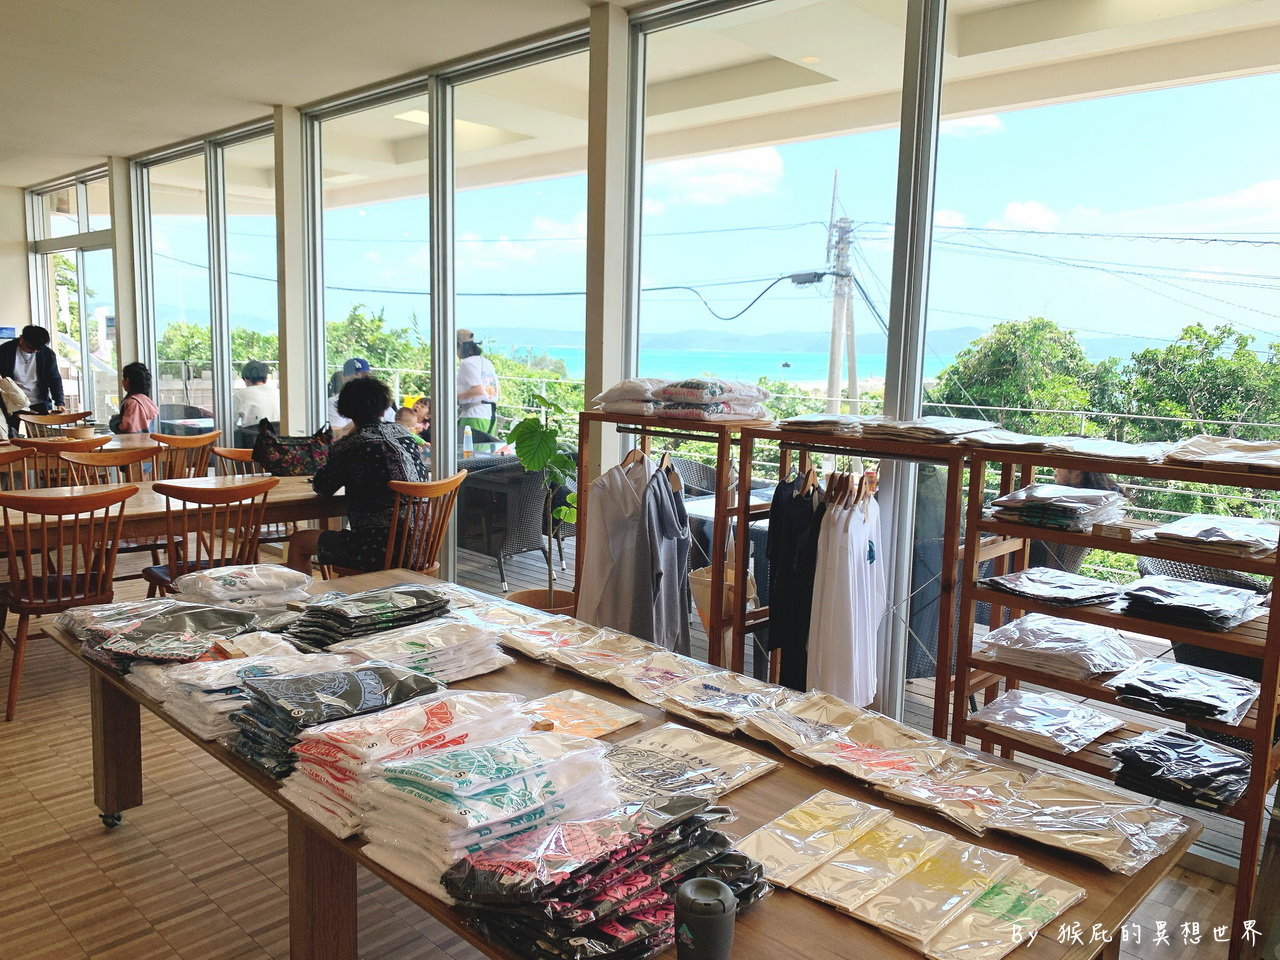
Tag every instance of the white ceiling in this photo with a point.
(84, 79)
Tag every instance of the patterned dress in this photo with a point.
(364, 462)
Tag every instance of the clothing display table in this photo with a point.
(322, 868)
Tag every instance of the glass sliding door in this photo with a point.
(180, 300)
(520, 211)
(375, 246)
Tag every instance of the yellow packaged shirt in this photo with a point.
(804, 837)
(874, 860)
(917, 905)
(580, 714)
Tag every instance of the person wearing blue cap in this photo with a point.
(353, 369)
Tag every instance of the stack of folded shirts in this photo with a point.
(699, 398)
(1058, 507)
(1227, 453)
(1185, 690)
(337, 759)
(1232, 536)
(444, 649)
(280, 708)
(965, 790)
(423, 813)
(331, 618)
(579, 714)
(718, 410)
(258, 643)
(1192, 603)
(1057, 587)
(802, 722)
(1062, 648)
(202, 695)
(600, 887)
(538, 639)
(1045, 721)
(633, 397)
(1002, 439)
(1121, 833)
(922, 429)
(117, 635)
(674, 760)
(1179, 766)
(250, 586)
(1111, 449)
(842, 424)
(603, 655)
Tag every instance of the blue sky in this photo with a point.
(1193, 160)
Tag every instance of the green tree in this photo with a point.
(1207, 374)
(1030, 363)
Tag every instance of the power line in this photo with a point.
(1188, 237)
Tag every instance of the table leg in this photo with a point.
(117, 749)
(322, 896)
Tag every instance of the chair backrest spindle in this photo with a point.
(184, 458)
(220, 525)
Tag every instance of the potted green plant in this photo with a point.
(539, 447)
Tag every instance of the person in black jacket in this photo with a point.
(32, 364)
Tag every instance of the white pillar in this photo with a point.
(609, 355)
(297, 328)
(15, 262)
(131, 344)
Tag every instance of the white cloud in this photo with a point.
(549, 228)
(713, 179)
(1252, 207)
(981, 125)
(949, 218)
(1027, 215)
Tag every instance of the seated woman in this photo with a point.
(137, 410)
(363, 462)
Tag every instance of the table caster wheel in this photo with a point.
(110, 820)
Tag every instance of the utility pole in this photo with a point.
(838, 240)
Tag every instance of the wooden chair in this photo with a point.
(47, 468)
(419, 517)
(62, 554)
(13, 467)
(218, 526)
(47, 424)
(237, 462)
(184, 457)
(96, 467)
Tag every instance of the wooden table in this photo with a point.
(144, 513)
(322, 868)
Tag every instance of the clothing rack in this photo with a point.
(1258, 638)
(724, 435)
(806, 444)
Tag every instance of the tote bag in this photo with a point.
(291, 456)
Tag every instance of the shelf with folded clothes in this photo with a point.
(1249, 639)
(1188, 473)
(1263, 566)
(1093, 689)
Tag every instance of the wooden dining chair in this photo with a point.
(237, 462)
(96, 467)
(62, 554)
(207, 527)
(420, 516)
(184, 457)
(49, 424)
(14, 464)
(47, 468)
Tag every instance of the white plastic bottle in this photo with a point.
(468, 443)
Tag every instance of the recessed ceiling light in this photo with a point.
(810, 59)
(415, 116)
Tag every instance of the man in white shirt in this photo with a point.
(477, 385)
(354, 368)
(254, 401)
(31, 363)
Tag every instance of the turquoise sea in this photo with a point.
(804, 367)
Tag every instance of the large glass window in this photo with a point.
(59, 212)
(770, 140)
(375, 230)
(179, 236)
(62, 282)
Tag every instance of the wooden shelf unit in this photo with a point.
(807, 444)
(1258, 638)
(724, 435)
